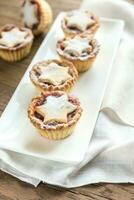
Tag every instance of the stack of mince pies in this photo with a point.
(55, 113)
(16, 41)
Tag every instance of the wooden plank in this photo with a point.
(10, 189)
(5, 95)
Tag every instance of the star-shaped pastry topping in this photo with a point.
(56, 109)
(29, 11)
(13, 37)
(79, 20)
(54, 74)
(76, 46)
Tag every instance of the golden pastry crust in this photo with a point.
(44, 16)
(91, 30)
(54, 130)
(44, 87)
(17, 52)
(81, 63)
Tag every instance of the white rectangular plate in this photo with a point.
(19, 135)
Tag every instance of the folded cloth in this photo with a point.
(109, 157)
(119, 96)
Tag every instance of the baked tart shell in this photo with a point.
(57, 134)
(45, 17)
(15, 55)
(81, 66)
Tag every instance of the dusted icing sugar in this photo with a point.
(29, 11)
(54, 74)
(56, 109)
(79, 20)
(13, 37)
(76, 46)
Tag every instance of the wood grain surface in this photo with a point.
(10, 75)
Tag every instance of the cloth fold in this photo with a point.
(109, 157)
(119, 95)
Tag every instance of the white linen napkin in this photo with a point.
(120, 91)
(119, 95)
(110, 153)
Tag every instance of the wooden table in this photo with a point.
(10, 75)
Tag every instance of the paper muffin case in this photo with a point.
(57, 134)
(46, 17)
(81, 65)
(15, 54)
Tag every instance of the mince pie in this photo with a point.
(54, 114)
(15, 42)
(81, 50)
(53, 75)
(77, 22)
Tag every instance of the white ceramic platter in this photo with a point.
(19, 135)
